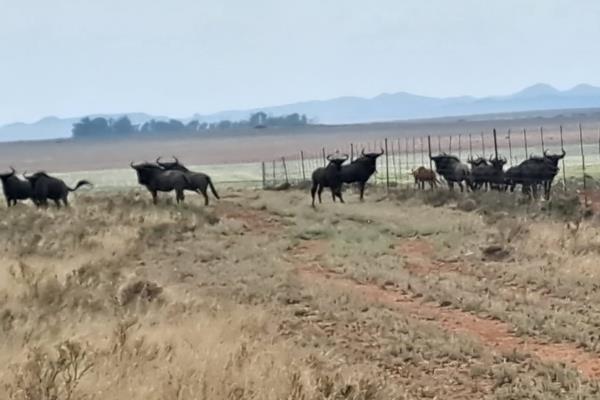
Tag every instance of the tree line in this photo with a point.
(101, 127)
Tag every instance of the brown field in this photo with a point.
(241, 146)
(258, 296)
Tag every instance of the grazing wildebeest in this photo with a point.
(451, 169)
(487, 173)
(14, 188)
(360, 170)
(533, 172)
(46, 187)
(423, 175)
(329, 176)
(198, 180)
(157, 179)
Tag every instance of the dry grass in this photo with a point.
(116, 298)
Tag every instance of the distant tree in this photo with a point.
(122, 126)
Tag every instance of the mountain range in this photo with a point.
(349, 110)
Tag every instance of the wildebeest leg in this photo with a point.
(319, 191)
(339, 194)
(361, 186)
(65, 201)
(313, 190)
(180, 196)
(205, 196)
(460, 185)
(57, 202)
(333, 194)
(154, 196)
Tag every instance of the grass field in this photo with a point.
(259, 296)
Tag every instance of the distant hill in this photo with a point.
(347, 110)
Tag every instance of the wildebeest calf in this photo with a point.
(423, 175)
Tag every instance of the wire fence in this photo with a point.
(579, 169)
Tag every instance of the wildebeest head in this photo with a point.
(146, 171)
(7, 175)
(498, 163)
(337, 159)
(477, 161)
(173, 165)
(554, 158)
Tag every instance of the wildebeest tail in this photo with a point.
(212, 188)
(80, 184)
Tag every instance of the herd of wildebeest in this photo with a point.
(158, 176)
(476, 174)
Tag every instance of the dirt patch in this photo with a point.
(418, 254)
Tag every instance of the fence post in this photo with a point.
(470, 146)
(450, 144)
(525, 141)
(542, 138)
(394, 161)
(439, 145)
(422, 151)
(414, 153)
(351, 152)
(406, 154)
(583, 165)
(264, 176)
(303, 170)
(387, 165)
(495, 144)
(562, 148)
(509, 148)
(429, 151)
(324, 158)
(482, 144)
(287, 181)
(459, 146)
(274, 177)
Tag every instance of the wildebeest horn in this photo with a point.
(546, 152)
(381, 151)
(176, 160)
(564, 153)
(12, 170)
(158, 160)
(345, 157)
(362, 152)
(131, 164)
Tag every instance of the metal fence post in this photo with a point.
(429, 150)
(387, 165)
(303, 170)
(495, 144)
(470, 146)
(285, 173)
(509, 148)
(264, 175)
(324, 157)
(542, 138)
(482, 144)
(525, 141)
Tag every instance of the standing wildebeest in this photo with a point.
(198, 180)
(329, 176)
(533, 172)
(360, 170)
(157, 179)
(15, 188)
(451, 169)
(46, 187)
(423, 175)
(487, 173)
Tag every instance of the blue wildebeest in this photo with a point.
(487, 173)
(329, 176)
(14, 188)
(46, 187)
(156, 179)
(360, 170)
(533, 172)
(452, 170)
(198, 180)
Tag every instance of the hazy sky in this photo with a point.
(177, 57)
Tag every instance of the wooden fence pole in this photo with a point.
(303, 170)
(562, 147)
(585, 198)
(274, 177)
(495, 144)
(542, 139)
(459, 146)
(429, 151)
(470, 146)
(324, 157)
(387, 165)
(509, 148)
(264, 175)
(482, 144)
(285, 173)
(525, 142)
(351, 152)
